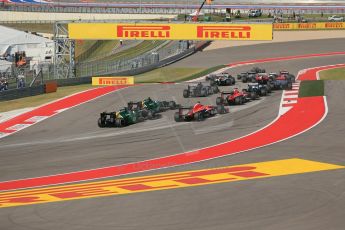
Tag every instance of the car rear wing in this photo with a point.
(108, 114)
(226, 92)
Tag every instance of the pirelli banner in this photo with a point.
(310, 26)
(108, 81)
(111, 31)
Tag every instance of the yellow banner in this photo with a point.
(309, 26)
(178, 180)
(111, 31)
(112, 81)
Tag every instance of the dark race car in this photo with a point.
(250, 94)
(272, 76)
(257, 70)
(123, 117)
(223, 79)
(234, 97)
(198, 112)
(288, 75)
(150, 108)
(247, 77)
(199, 90)
(261, 78)
(259, 89)
(281, 82)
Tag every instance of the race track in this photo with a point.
(71, 141)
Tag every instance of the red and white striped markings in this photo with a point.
(289, 98)
(39, 114)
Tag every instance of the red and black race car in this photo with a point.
(261, 78)
(235, 97)
(198, 112)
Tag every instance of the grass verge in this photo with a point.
(311, 88)
(33, 27)
(333, 74)
(135, 51)
(38, 100)
(170, 74)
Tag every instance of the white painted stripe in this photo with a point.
(36, 119)
(284, 110)
(281, 110)
(291, 91)
(291, 96)
(4, 135)
(61, 110)
(18, 127)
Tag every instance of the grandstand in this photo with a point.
(161, 8)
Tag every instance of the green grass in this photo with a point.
(98, 50)
(33, 27)
(311, 88)
(132, 52)
(42, 99)
(171, 74)
(82, 46)
(333, 74)
(101, 64)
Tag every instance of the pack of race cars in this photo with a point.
(260, 84)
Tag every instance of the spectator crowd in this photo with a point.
(3, 84)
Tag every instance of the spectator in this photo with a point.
(21, 81)
(3, 84)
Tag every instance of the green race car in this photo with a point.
(123, 117)
(149, 108)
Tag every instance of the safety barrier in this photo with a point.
(23, 92)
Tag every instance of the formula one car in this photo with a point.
(122, 118)
(272, 76)
(250, 94)
(198, 112)
(281, 82)
(257, 70)
(234, 97)
(200, 90)
(288, 75)
(259, 89)
(261, 78)
(222, 79)
(150, 108)
(247, 77)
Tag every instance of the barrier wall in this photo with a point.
(309, 26)
(19, 93)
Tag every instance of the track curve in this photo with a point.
(292, 203)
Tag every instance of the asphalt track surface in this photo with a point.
(71, 141)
